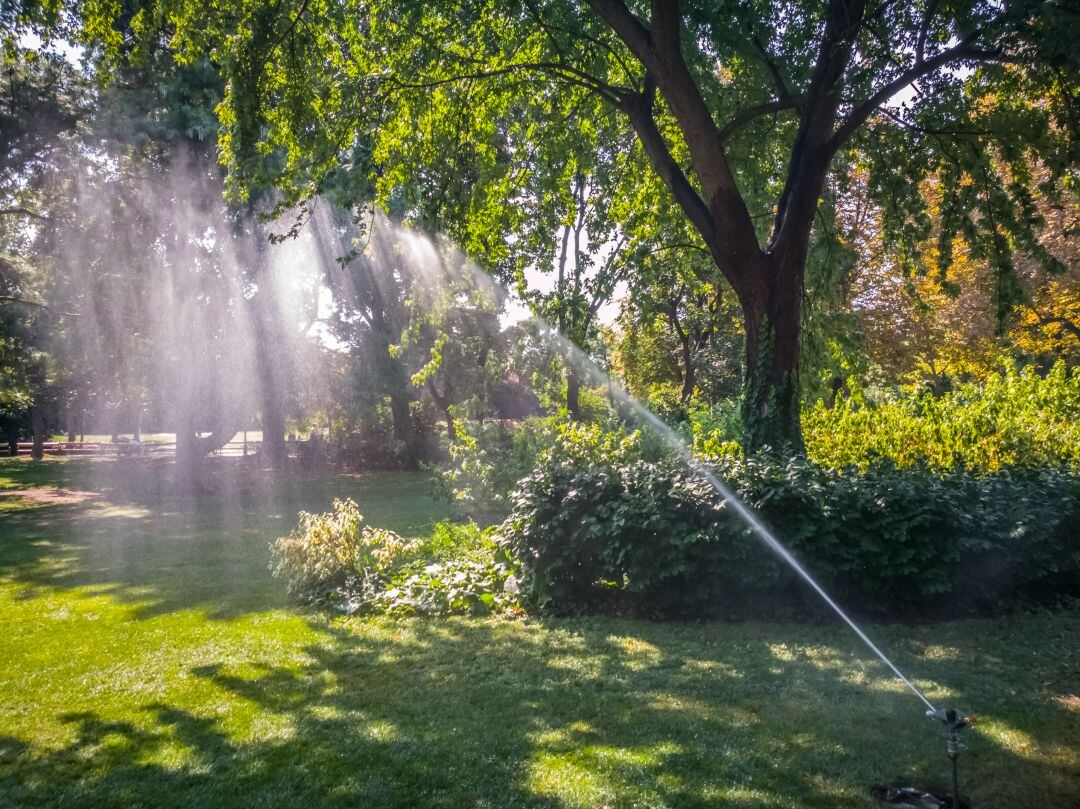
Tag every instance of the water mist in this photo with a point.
(211, 327)
(186, 320)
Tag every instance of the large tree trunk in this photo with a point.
(445, 403)
(71, 418)
(192, 447)
(771, 402)
(189, 457)
(274, 451)
(765, 279)
(37, 425)
(272, 368)
(395, 377)
(404, 429)
(573, 391)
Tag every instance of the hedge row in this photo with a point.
(655, 538)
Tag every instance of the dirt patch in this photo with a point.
(49, 496)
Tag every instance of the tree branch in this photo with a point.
(288, 31)
(782, 87)
(810, 155)
(660, 51)
(565, 73)
(924, 29)
(858, 116)
(18, 211)
(677, 246)
(35, 304)
(24, 301)
(750, 113)
(639, 111)
(550, 28)
(1056, 320)
(627, 27)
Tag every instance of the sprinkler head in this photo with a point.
(952, 719)
(954, 722)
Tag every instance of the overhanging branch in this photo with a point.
(562, 72)
(639, 110)
(858, 116)
(19, 211)
(750, 113)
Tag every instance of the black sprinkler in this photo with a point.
(954, 722)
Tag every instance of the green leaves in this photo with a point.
(1014, 419)
(334, 560)
(656, 539)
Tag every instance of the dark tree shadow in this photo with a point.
(496, 714)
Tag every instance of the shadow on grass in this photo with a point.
(496, 714)
(163, 553)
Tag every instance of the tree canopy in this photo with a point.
(469, 117)
(796, 159)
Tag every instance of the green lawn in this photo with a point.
(147, 659)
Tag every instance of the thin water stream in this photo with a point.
(676, 443)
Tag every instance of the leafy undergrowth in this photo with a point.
(337, 560)
(149, 660)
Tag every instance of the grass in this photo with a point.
(149, 660)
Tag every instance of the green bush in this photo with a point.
(330, 555)
(334, 560)
(655, 538)
(453, 587)
(1015, 419)
(488, 458)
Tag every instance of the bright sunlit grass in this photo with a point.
(149, 660)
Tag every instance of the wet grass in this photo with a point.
(148, 659)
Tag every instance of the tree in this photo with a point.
(673, 310)
(42, 107)
(371, 283)
(933, 320)
(742, 109)
(146, 149)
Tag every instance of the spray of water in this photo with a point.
(184, 320)
(437, 263)
(771, 541)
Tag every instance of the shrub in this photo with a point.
(655, 538)
(483, 464)
(487, 460)
(456, 586)
(1015, 419)
(374, 448)
(713, 432)
(333, 559)
(333, 553)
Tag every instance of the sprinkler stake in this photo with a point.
(954, 722)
